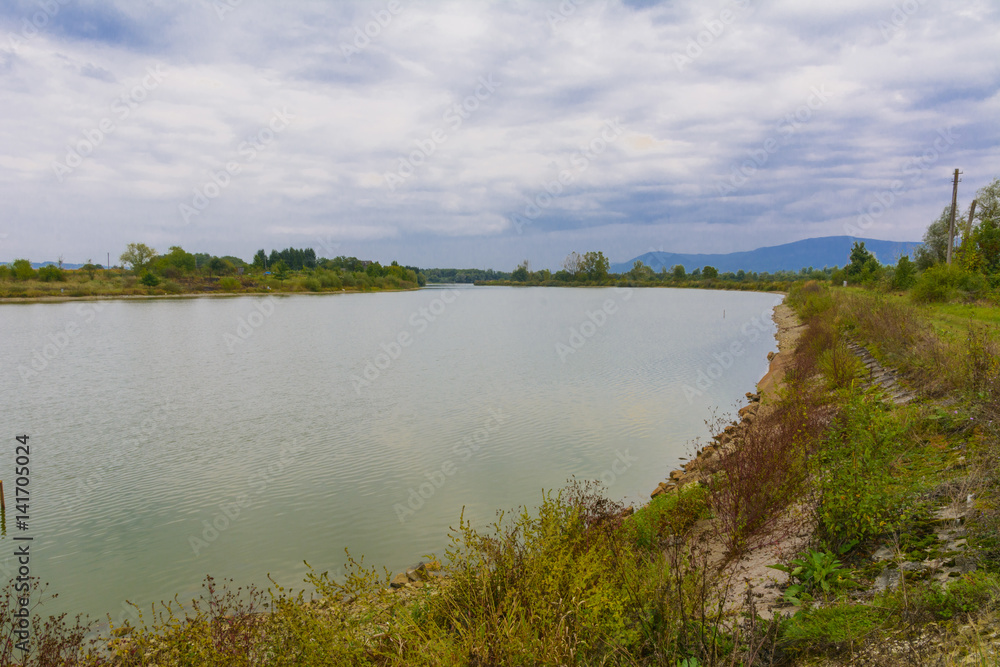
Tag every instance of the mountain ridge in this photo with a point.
(816, 252)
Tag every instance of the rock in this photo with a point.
(399, 580)
(885, 553)
(676, 475)
(887, 580)
(418, 573)
(749, 410)
(770, 356)
(753, 398)
(913, 566)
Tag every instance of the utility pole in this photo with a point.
(954, 204)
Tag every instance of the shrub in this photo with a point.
(230, 284)
(669, 514)
(50, 273)
(5, 272)
(839, 365)
(816, 629)
(860, 494)
(759, 478)
(943, 283)
(21, 268)
(311, 284)
(149, 280)
(170, 287)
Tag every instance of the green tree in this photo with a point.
(710, 272)
(50, 273)
(219, 266)
(149, 280)
(595, 265)
(904, 275)
(522, 272)
(982, 252)
(935, 246)
(678, 272)
(179, 260)
(640, 271)
(280, 269)
(862, 265)
(21, 268)
(137, 256)
(90, 269)
(260, 259)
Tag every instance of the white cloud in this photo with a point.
(686, 128)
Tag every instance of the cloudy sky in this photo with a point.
(483, 133)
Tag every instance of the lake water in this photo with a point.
(302, 425)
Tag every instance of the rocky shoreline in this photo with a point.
(706, 459)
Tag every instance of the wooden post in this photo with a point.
(3, 502)
(951, 225)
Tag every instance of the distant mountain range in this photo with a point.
(817, 253)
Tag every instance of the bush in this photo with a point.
(311, 284)
(944, 283)
(21, 268)
(149, 280)
(860, 493)
(669, 514)
(230, 284)
(50, 273)
(170, 287)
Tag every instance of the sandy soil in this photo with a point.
(792, 531)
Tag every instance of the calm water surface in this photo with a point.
(239, 437)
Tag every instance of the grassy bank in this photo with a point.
(896, 508)
(118, 284)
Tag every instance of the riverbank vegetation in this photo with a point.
(144, 272)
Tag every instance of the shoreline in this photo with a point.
(699, 467)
